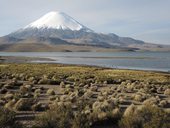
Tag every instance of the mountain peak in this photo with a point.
(57, 20)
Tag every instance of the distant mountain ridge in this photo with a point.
(56, 29)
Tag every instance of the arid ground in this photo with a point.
(63, 96)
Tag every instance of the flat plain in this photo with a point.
(57, 95)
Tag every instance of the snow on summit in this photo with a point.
(57, 20)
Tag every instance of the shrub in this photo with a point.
(86, 86)
(73, 97)
(36, 95)
(43, 81)
(102, 116)
(31, 79)
(151, 101)
(37, 107)
(38, 91)
(52, 98)
(163, 103)
(64, 98)
(49, 81)
(57, 117)
(105, 119)
(154, 117)
(62, 84)
(9, 96)
(138, 97)
(24, 104)
(116, 113)
(130, 87)
(130, 110)
(88, 94)
(96, 105)
(105, 93)
(10, 104)
(105, 82)
(81, 85)
(68, 86)
(144, 117)
(94, 88)
(7, 119)
(100, 98)
(167, 92)
(81, 120)
(28, 86)
(25, 89)
(50, 92)
(65, 116)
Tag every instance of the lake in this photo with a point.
(157, 61)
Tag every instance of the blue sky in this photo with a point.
(147, 20)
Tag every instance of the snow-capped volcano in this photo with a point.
(57, 28)
(53, 24)
(57, 20)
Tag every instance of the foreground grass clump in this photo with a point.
(78, 115)
(63, 117)
(50, 92)
(66, 96)
(8, 119)
(24, 104)
(58, 117)
(147, 116)
(167, 92)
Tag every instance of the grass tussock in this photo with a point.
(66, 96)
(8, 119)
(147, 116)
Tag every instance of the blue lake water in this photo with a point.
(158, 61)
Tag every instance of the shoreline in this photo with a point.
(22, 59)
(115, 57)
(39, 60)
